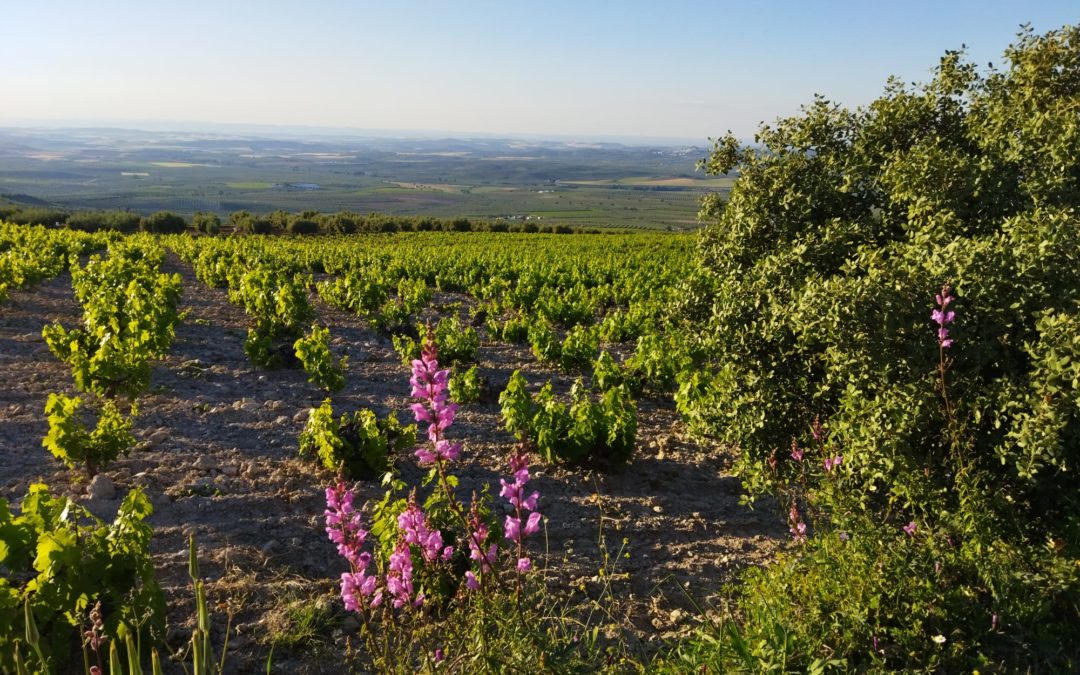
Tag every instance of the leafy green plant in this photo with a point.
(359, 445)
(579, 348)
(621, 326)
(602, 432)
(545, 342)
(72, 441)
(658, 360)
(313, 350)
(937, 434)
(278, 303)
(607, 374)
(466, 387)
(361, 291)
(456, 342)
(57, 560)
(514, 329)
(129, 318)
(406, 347)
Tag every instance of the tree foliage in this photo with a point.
(823, 267)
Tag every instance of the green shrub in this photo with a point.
(302, 226)
(63, 560)
(163, 222)
(358, 445)
(207, 223)
(77, 445)
(579, 348)
(659, 358)
(360, 291)
(607, 374)
(514, 330)
(129, 317)
(313, 350)
(825, 262)
(457, 343)
(466, 387)
(277, 301)
(545, 341)
(598, 432)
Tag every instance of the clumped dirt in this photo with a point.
(218, 458)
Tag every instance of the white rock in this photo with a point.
(101, 487)
(230, 470)
(302, 416)
(281, 419)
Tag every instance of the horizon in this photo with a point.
(271, 131)
(555, 70)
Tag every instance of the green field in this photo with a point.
(606, 186)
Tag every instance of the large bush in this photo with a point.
(824, 264)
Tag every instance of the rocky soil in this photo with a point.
(218, 457)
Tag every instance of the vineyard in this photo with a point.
(230, 361)
(834, 431)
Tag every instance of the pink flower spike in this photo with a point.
(421, 412)
(447, 450)
(512, 528)
(524, 565)
(471, 581)
(532, 526)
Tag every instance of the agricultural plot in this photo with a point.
(555, 184)
(216, 429)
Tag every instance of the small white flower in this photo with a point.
(940, 639)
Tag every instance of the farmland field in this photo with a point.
(217, 436)
(552, 183)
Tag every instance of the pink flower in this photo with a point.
(414, 527)
(532, 525)
(429, 384)
(796, 526)
(910, 529)
(512, 528)
(477, 538)
(471, 581)
(943, 317)
(833, 462)
(399, 583)
(524, 507)
(524, 565)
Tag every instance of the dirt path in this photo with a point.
(218, 459)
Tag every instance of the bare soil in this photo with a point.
(218, 458)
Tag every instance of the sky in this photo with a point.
(583, 68)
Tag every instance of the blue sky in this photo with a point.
(685, 70)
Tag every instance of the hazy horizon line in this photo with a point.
(188, 126)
